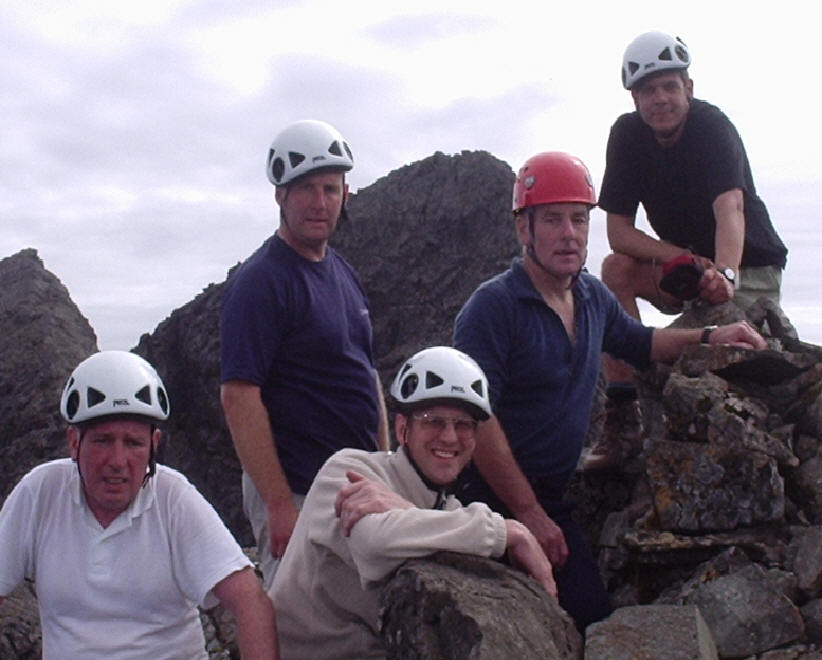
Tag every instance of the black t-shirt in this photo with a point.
(678, 185)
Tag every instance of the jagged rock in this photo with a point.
(806, 555)
(812, 616)
(746, 613)
(20, 625)
(699, 487)
(458, 606)
(422, 239)
(808, 483)
(650, 632)
(42, 338)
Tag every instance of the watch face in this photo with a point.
(729, 274)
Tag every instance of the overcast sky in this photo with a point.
(134, 134)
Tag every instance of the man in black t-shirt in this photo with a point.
(684, 161)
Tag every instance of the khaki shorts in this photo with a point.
(756, 282)
(257, 514)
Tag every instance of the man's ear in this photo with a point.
(523, 227)
(156, 437)
(73, 439)
(689, 89)
(400, 425)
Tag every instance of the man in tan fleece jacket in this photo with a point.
(367, 512)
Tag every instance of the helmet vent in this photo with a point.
(163, 400)
(295, 158)
(633, 66)
(72, 403)
(665, 55)
(94, 397)
(682, 54)
(432, 380)
(277, 168)
(477, 387)
(144, 395)
(335, 149)
(409, 386)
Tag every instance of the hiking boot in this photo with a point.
(621, 437)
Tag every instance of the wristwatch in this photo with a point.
(729, 274)
(706, 334)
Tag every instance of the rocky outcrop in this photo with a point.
(457, 606)
(42, 338)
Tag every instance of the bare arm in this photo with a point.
(250, 429)
(667, 343)
(729, 213)
(624, 237)
(382, 428)
(242, 594)
(496, 463)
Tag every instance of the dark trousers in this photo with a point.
(579, 584)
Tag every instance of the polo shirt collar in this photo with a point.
(524, 287)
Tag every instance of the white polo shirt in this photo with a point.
(130, 590)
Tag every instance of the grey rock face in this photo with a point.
(43, 337)
(651, 632)
(459, 606)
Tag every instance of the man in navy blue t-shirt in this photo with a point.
(297, 370)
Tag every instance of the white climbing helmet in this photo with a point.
(304, 146)
(442, 374)
(651, 52)
(113, 383)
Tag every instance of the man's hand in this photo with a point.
(547, 533)
(714, 287)
(282, 516)
(741, 334)
(363, 496)
(526, 553)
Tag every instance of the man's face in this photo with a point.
(113, 459)
(440, 439)
(662, 100)
(311, 207)
(560, 236)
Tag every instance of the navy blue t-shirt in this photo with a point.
(677, 185)
(541, 385)
(301, 331)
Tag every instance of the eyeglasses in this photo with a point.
(463, 426)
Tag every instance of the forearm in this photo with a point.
(625, 238)
(253, 611)
(382, 428)
(250, 429)
(667, 343)
(380, 542)
(729, 213)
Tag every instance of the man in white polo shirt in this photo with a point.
(122, 550)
